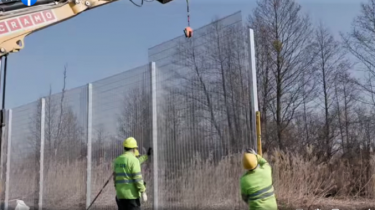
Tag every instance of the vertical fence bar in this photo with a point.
(7, 176)
(3, 150)
(41, 172)
(154, 135)
(89, 144)
(253, 80)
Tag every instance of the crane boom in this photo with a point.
(16, 24)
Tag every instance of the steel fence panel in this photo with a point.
(65, 144)
(203, 115)
(25, 154)
(121, 107)
(5, 165)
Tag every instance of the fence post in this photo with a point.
(41, 172)
(7, 175)
(253, 86)
(154, 136)
(89, 144)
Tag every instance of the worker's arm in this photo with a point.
(142, 159)
(136, 170)
(261, 160)
(114, 173)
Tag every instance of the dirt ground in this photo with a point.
(331, 204)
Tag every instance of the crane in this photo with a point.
(18, 20)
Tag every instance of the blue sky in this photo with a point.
(114, 38)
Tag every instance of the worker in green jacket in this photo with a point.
(256, 184)
(128, 179)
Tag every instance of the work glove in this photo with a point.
(149, 152)
(251, 151)
(144, 196)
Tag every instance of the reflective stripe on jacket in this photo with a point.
(257, 188)
(128, 177)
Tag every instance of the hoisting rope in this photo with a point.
(188, 12)
(140, 5)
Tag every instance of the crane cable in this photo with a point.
(187, 7)
(137, 4)
(140, 5)
(188, 12)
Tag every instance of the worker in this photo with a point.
(127, 178)
(256, 183)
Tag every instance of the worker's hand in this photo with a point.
(144, 196)
(251, 151)
(149, 152)
(144, 183)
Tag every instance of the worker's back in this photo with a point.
(128, 177)
(257, 186)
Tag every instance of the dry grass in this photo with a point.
(203, 184)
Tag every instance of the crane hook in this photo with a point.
(188, 30)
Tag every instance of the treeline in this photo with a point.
(310, 91)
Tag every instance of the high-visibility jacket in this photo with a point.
(256, 187)
(142, 159)
(128, 177)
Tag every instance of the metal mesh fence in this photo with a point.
(204, 116)
(4, 160)
(121, 107)
(24, 155)
(193, 105)
(65, 149)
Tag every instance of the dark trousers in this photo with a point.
(128, 204)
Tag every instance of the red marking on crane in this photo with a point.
(48, 15)
(38, 18)
(26, 22)
(3, 28)
(14, 24)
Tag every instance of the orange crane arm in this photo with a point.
(15, 25)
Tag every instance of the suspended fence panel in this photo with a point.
(65, 150)
(25, 155)
(121, 107)
(204, 116)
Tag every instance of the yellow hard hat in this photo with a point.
(249, 161)
(130, 143)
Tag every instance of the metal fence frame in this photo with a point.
(153, 72)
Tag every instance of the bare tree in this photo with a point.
(289, 34)
(213, 78)
(361, 43)
(135, 117)
(347, 96)
(62, 129)
(99, 144)
(331, 61)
